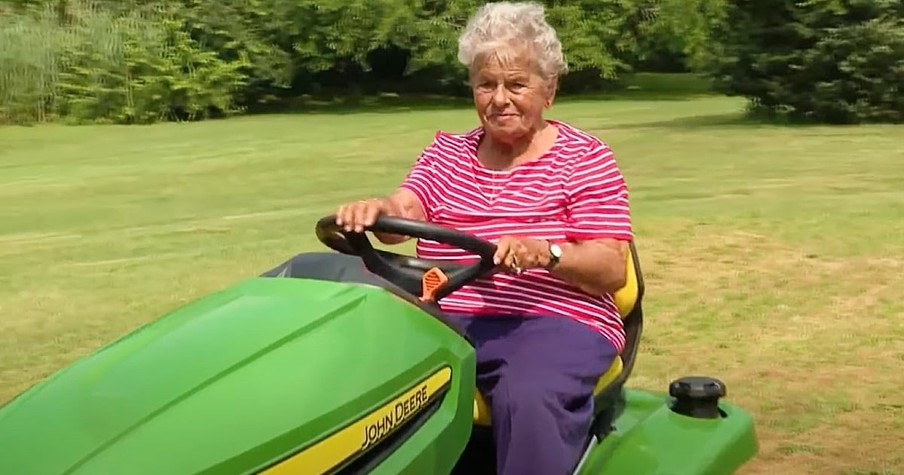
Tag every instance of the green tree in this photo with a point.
(677, 35)
(833, 61)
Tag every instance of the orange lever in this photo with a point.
(433, 280)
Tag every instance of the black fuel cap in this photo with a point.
(697, 387)
(697, 396)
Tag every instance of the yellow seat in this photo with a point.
(626, 299)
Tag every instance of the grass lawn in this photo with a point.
(773, 255)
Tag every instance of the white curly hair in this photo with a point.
(506, 29)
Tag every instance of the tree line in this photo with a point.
(133, 61)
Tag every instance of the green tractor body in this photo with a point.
(296, 375)
(244, 378)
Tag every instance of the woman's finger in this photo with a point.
(343, 216)
(503, 249)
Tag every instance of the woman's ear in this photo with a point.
(551, 89)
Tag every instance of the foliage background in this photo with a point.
(131, 61)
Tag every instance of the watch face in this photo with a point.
(555, 253)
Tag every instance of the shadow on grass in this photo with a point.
(704, 121)
(397, 104)
(739, 119)
(635, 87)
(377, 104)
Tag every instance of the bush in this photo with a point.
(139, 61)
(831, 61)
(101, 66)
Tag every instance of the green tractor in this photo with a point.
(339, 363)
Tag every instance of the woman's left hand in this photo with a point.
(520, 253)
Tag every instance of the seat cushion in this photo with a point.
(482, 410)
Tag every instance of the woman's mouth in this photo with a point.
(503, 115)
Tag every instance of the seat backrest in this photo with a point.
(630, 295)
(629, 299)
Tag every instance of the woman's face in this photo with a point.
(510, 97)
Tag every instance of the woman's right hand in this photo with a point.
(360, 214)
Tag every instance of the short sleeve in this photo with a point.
(421, 179)
(598, 198)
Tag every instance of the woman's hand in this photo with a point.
(596, 267)
(518, 254)
(361, 214)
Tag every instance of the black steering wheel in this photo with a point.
(408, 272)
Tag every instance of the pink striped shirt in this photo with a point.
(573, 192)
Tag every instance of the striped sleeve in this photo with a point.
(598, 198)
(421, 179)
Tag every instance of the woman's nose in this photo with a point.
(500, 98)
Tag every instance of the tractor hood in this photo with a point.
(228, 384)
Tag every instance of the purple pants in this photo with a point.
(537, 376)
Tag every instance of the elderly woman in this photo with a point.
(554, 201)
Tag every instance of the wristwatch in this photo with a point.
(555, 253)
